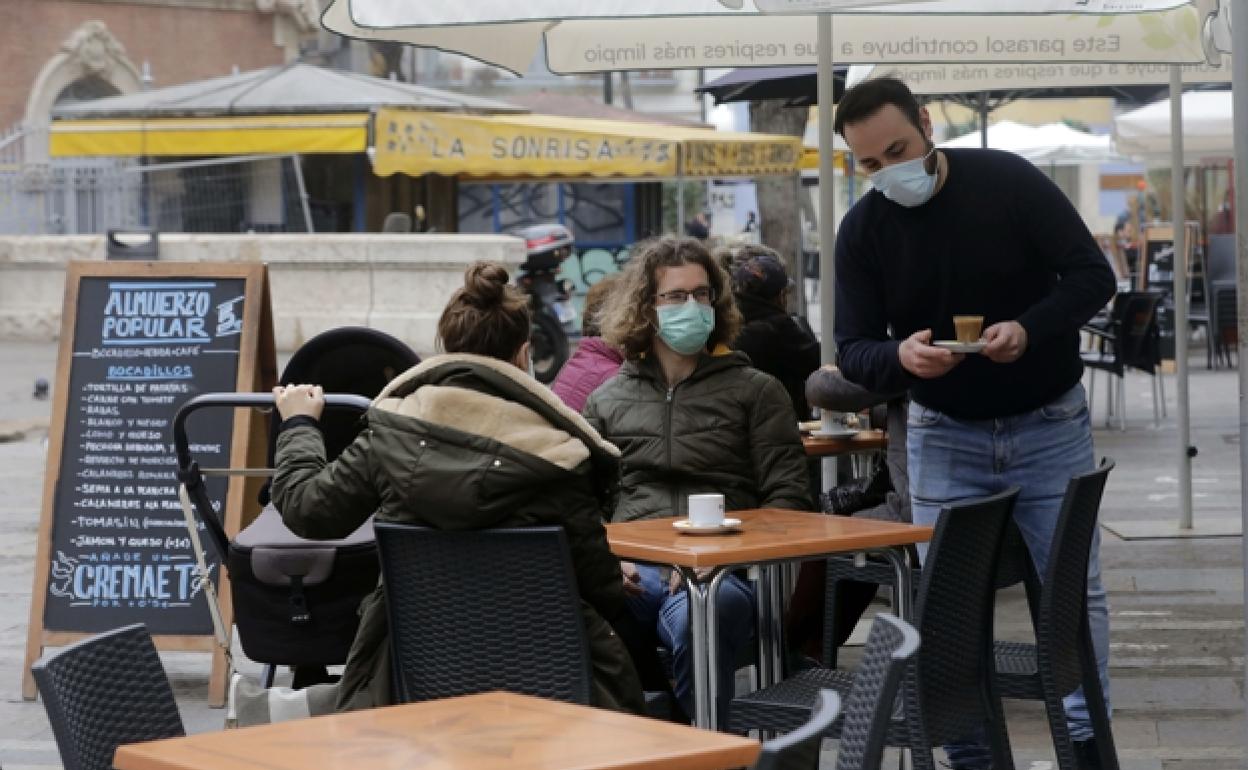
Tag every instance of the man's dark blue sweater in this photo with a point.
(998, 240)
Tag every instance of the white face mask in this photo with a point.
(908, 184)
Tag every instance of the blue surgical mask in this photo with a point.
(686, 327)
(908, 184)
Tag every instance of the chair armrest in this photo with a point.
(1102, 333)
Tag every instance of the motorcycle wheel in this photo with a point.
(550, 347)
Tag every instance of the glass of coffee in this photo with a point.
(967, 328)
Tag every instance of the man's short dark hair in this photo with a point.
(869, 97)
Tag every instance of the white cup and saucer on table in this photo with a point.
(832, 425)
(706, 516)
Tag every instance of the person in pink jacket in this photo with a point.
(594, 361)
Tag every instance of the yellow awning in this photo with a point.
(226, 135)
(527, 146)
(810, 159)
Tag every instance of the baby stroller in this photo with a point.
(295, 600)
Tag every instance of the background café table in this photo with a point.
(768, 537)
(864, 441)
(490, 731)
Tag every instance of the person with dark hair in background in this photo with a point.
(691, 416)
(594, 361)
(885, 497)
(981, 233)
(430, 433)
(700, 226)
(774, 340)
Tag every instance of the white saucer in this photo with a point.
(961, 347)
(834, 433)
(729, 525)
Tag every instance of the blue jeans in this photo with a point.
(668, 615)
(952, 460)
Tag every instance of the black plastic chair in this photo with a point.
(1220, 301)
(1132, 341)
(840, 570)
(106, 691)
(1062, 657)
(872, 698)
(1225, 322)
(948, 692)
(799, 750)
(483, 610)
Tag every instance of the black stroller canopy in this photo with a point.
(349, 359)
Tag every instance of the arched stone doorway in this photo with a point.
(90, 64)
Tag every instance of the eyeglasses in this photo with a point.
(705, 295)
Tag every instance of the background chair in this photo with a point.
(483, 610)
(1199, 301)
(1219, 283)
(949, 691)
(1132, 341)
(106, 691)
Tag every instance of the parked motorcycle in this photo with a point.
(550, 298)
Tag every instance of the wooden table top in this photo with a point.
(474, 732)
(863, 441)
(766, 535)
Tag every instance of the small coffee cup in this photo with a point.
(706, 510)
(968, 328)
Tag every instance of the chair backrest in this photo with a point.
(1220, 258)
(1139, 341)
(106, 691)
(1063, 614)
(954, 612)
(869, 704)
(483, 610)
(799, 749)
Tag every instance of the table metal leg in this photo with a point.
(775, 601)
(900, 559)
(712, 644)
(703, 637)
(762, 629)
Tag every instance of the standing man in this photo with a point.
(972, 232)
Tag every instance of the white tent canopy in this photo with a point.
(1207, 128)
(579, 37)
(1052, 144)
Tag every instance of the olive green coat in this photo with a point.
(727, 428)
(464, 442)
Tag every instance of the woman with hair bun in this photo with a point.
(432, 434)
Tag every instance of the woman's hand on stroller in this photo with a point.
(299, 401)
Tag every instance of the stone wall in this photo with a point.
(396, 283)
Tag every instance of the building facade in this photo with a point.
(54, 51)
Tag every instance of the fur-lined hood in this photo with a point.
(493, 399)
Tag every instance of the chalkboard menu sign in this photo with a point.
(138, 340)
(1158, 275)
(120, 550)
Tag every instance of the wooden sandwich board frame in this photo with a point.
(257, 371)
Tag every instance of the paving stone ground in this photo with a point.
(1177, 605)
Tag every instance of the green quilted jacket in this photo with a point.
(464, 442)
(727, 428)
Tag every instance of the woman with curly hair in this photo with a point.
(690, 416)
